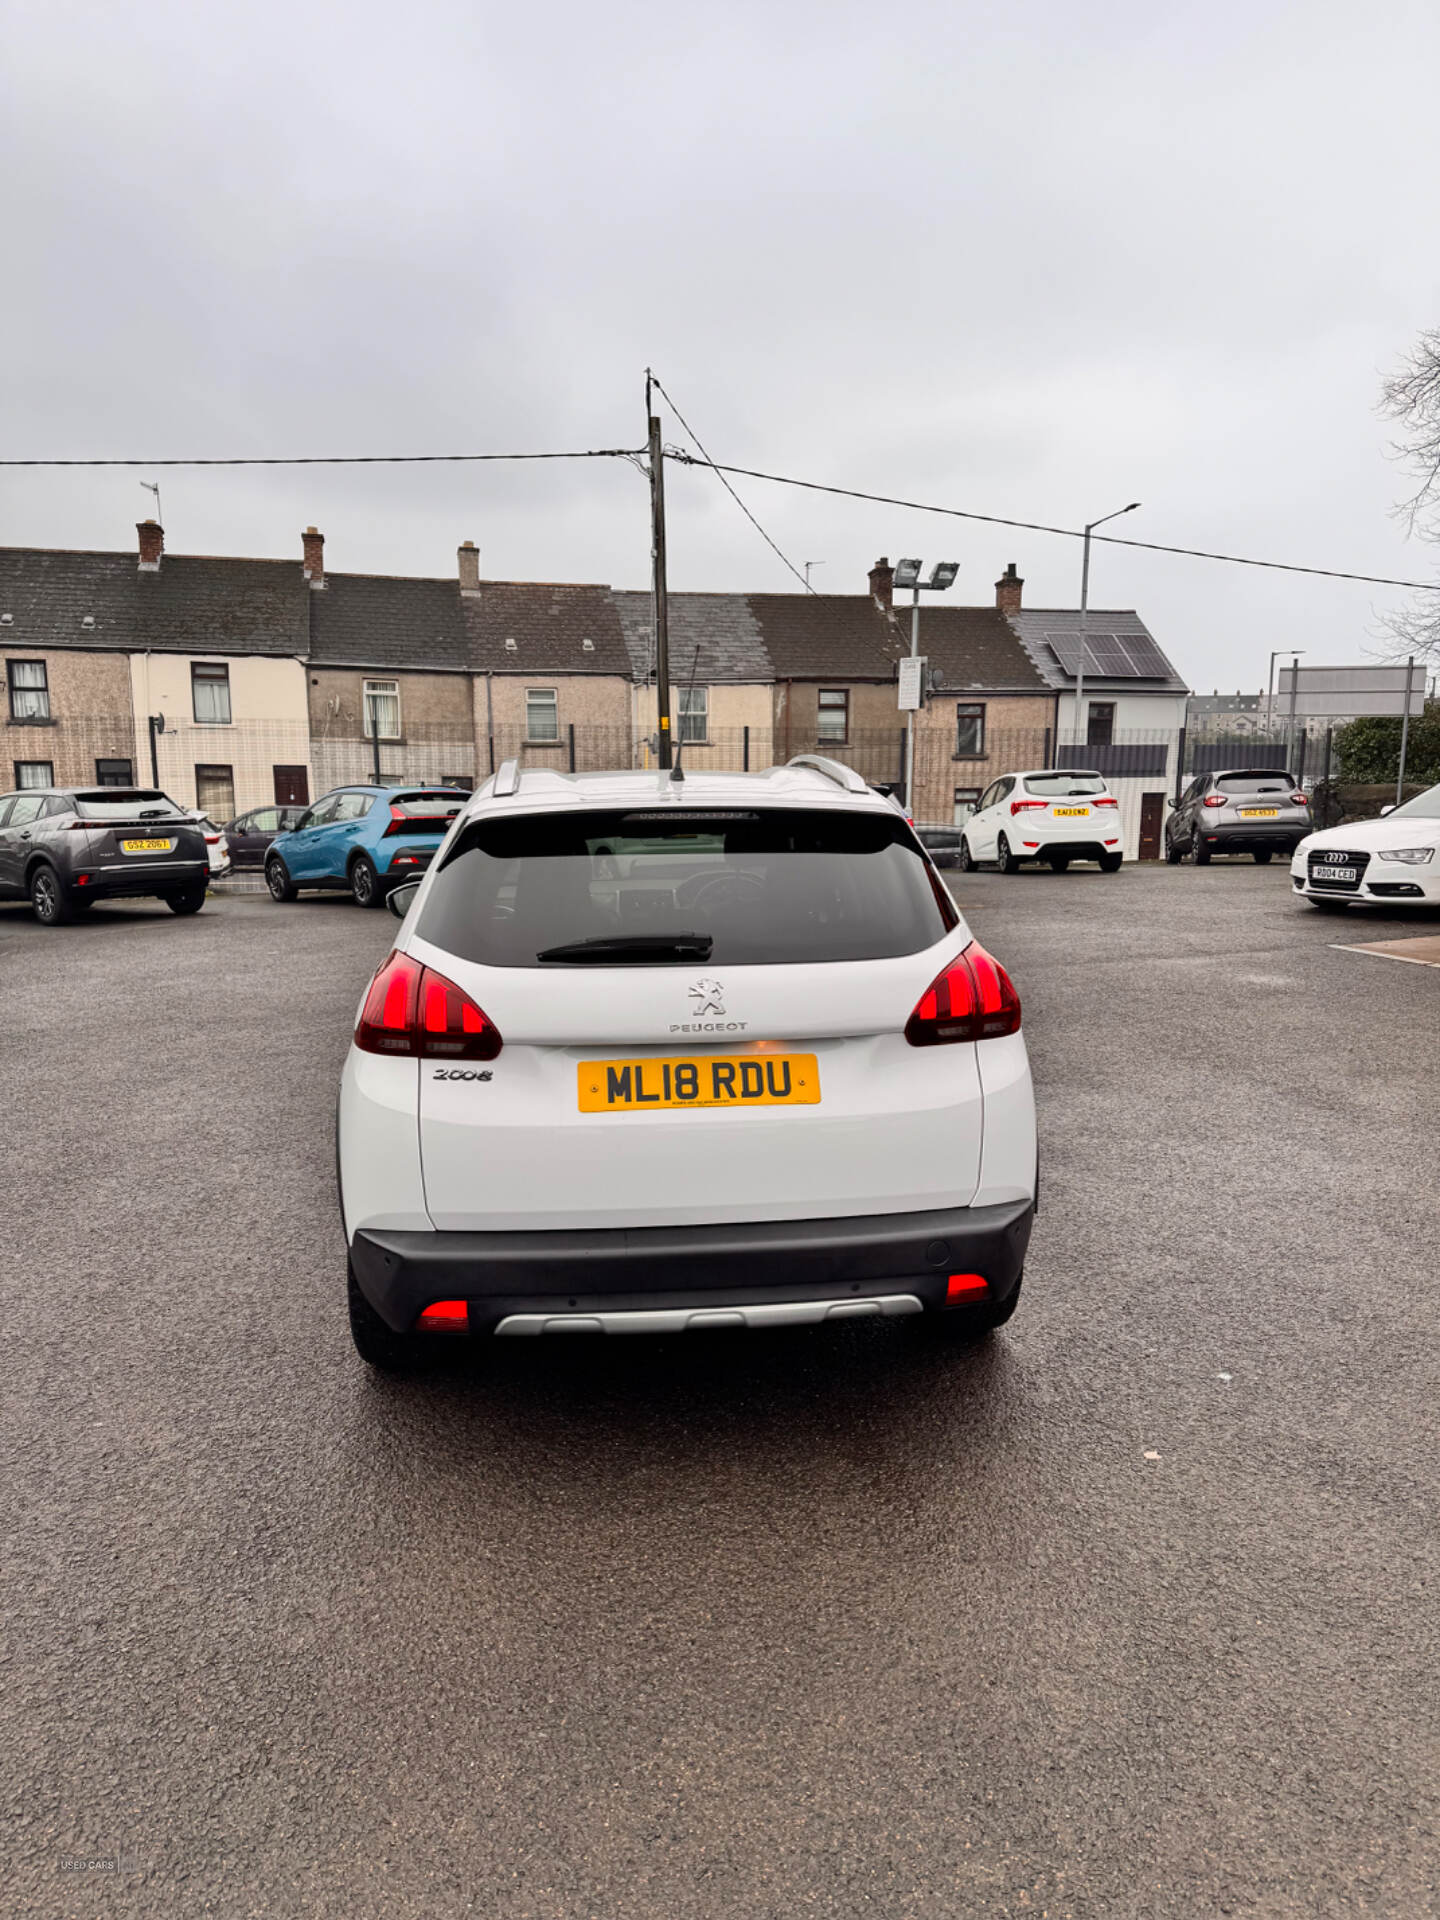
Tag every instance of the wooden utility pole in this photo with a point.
(662, 608)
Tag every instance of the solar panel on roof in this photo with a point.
(1112, 656)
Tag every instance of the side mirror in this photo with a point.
(1385, 810)
(402, 899)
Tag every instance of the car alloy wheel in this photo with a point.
(282, 888)
(364, 881)
(46, 897)
(1008, 862)
(966, 860)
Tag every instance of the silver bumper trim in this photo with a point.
(780, 1313)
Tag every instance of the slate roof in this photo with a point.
(845, 637)
(388, 621)
(194, 604)
(549, 624)
(722, 625)
(1033, 623)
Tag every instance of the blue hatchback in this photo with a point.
(362, 840)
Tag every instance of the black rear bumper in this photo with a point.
(1251, 841)
(749, 1264)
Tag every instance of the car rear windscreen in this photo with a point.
(762, 886)
(1255, 783)
(426, 809)
(1063, 786)
(114, 803)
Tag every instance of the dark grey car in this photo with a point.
(1247, 810)
(64, 849)
(249, 836)
(942, 844)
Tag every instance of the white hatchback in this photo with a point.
(1044, 815)
(658, 1054)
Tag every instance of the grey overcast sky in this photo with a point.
(1035, 260)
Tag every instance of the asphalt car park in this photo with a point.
(1127, 1611)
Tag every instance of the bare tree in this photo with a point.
(1411, 397)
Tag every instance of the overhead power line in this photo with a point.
(342, 459)
(719, 473)
(1068, 533)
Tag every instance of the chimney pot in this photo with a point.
(1008, 589)
(882, 586)
(468, 554)
(314, 556)
(152, 544)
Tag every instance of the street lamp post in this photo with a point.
(1270, 685)
(907, 574)
(1084, 611)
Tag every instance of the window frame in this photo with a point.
(974, 710)
(685, 715)
(1105, 708)
(215, 773)
(214, 674)
(114, 760)
(23, 785)
(956, 801)
(545, 694)
(43, 690)
(834, 695)
(386, 689)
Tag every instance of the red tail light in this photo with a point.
(974, 999)
(212, 839)
(1027, 806)
(445, 1316)
(965, 1286)
(1105, 800)
(1216, 799)
(1299, 800)
(403, 822)
(413, 1010)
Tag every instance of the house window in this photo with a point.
(542, 713)
(832, 719)
(210, 693)
(1100, 723)
(967, 799)
(29, 690)
(382, 709)
(34, 773)
(215, 793)
(694, 713)
(970, 732)
(114, 773)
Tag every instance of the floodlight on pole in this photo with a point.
(943, 575)
(907, 573)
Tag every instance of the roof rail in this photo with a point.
(835, 770)
(507, 780)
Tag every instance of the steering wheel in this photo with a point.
(693, 892)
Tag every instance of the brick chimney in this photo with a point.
(468, 554)
(1008, 589)
(314, 556)
(882, 586)
(152, 544)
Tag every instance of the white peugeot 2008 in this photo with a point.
(657, 1054)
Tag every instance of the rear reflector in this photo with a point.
(973, 999)
(965, 1286)
(415, 1011)
(445, 1316)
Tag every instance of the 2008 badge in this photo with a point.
(462, 1073)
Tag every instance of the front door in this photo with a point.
(1152, 819)
(292, 786)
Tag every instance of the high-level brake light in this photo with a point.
(973, 999)
(415, 1011)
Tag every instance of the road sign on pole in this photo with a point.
(912, 683)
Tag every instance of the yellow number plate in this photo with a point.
(718, 1080)
(1259, 813)
(1081, 811)
(144, 846)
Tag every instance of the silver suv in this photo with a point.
(1247, 810)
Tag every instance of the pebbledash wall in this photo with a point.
(198, 761)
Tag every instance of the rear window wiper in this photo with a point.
(634, 946)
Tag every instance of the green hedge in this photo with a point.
(1369, 749)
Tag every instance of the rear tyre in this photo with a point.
(282, 887)
(1111, 862)
(1199, 853)
(1008, 862)
(48, 898)
(379, 1346)
(365, 882)
(1263, 858)
(966, 859)
(965, 1326)
(191, 901)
